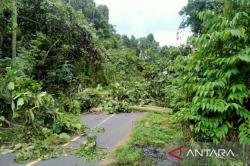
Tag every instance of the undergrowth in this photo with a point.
(89, 150)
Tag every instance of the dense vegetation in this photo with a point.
(216, 75)
(61, 58)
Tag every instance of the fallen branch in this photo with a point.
(150, 109)
(51, 47)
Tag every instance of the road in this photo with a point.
(117, 127)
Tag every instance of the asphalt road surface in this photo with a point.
(117, 127)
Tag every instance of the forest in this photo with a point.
(61, 59)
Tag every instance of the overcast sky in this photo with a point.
(141, 17)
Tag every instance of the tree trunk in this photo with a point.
(1, 43)
(14, 28)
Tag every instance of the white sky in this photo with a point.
(141, 17)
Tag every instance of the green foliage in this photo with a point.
(98, 15)
(216, 75)
(91, 97)
(157, 130)
(70, 60)
(245, 132)
(46, 149)
(127, 155)
(191, 11)
(67, 123)
(162, 73)
(30, 118)
(113, 98)
(23, 102)
(22, 98)
(69, 104)
(59, 43)
(89, 151)
(121, 96)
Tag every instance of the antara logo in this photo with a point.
(176, 153)
(219, 153)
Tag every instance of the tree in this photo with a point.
(14, 28)
(1, 43)
(8, 21)
(190, 13)
(216, 75)
(148, 47)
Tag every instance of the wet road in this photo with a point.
(117, 127)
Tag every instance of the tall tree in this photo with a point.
(14, 28)
(1, 43)
(190, 13)
(5, 22)
(148, 47)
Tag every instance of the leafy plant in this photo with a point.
(216, 75)
(89, 151)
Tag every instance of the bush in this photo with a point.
(91, 97)
(24, 104)
(216, 76)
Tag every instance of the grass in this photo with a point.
(89, 150)
(155, 129)
(161, 131)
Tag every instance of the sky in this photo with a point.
(141, 17)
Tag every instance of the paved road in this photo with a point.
(116, 127)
